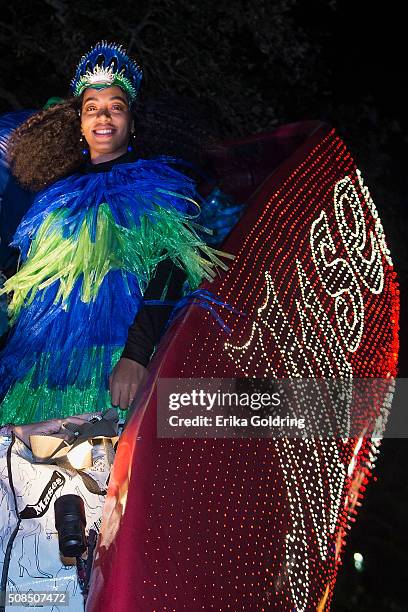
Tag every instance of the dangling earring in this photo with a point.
(84, 150)
(130, 146)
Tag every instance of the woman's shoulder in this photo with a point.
(64, 184)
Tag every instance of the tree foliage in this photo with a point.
(242, 59)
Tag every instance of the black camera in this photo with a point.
(70, 523)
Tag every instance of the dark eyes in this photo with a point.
(115, 107)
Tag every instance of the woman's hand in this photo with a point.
(124, 381)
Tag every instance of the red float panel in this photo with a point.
(258, 524)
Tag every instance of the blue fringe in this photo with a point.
(45, 328)
(68, 344)
(14, 200)
(200, 297)
(219, 213)
(130, 190)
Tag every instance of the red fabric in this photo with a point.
(256, 524)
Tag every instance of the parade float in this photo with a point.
(207, 523)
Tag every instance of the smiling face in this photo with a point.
(106, 122)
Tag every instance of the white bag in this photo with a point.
(29, 541)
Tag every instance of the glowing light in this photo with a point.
(314, 274)
(358, 561)
(315, 472)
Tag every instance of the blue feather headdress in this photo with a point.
(107, 65)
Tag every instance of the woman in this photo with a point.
(93, 244)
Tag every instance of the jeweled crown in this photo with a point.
(106, 65)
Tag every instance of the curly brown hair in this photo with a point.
(46, 146)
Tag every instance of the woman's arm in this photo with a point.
(145, 333)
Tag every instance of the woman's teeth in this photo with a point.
(103, 132)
